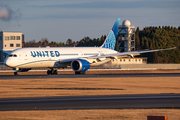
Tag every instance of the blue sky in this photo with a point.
(59, 20)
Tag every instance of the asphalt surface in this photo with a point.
(90, 75)
(161, 101)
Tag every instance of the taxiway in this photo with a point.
(156, 101)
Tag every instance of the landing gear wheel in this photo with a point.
(52, 72)
(49, 72)
(77, 72)
(80, 72)
(55, 72)
(15, 73)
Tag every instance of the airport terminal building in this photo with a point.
(9, 41)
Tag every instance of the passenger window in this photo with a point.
(10, 55)
(15, 55)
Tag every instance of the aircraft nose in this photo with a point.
(8, 62)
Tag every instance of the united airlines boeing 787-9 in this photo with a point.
(79, 58)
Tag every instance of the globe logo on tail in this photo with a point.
(110, 41)
(111, 38)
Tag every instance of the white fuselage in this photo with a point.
(51, 56)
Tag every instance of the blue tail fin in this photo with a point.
(111, 38)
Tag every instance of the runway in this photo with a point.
(161, 101)
(2, 77)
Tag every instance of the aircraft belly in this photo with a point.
(37, 64)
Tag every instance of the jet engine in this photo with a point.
(80, 65)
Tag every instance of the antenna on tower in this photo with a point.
(126, 37)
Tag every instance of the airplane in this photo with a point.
(79, 58)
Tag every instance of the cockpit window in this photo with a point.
(12, 55)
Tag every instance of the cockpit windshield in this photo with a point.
(12, 55)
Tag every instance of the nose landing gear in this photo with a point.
(52, 72)
(16, 71)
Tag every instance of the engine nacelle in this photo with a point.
(80, 65)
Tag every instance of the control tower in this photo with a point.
(126, 37)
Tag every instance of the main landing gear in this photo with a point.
(15, 73)
(52, 72)
(80, 72)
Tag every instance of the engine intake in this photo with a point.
(80, 65)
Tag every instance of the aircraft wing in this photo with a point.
(128, 53)
(112, 55)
